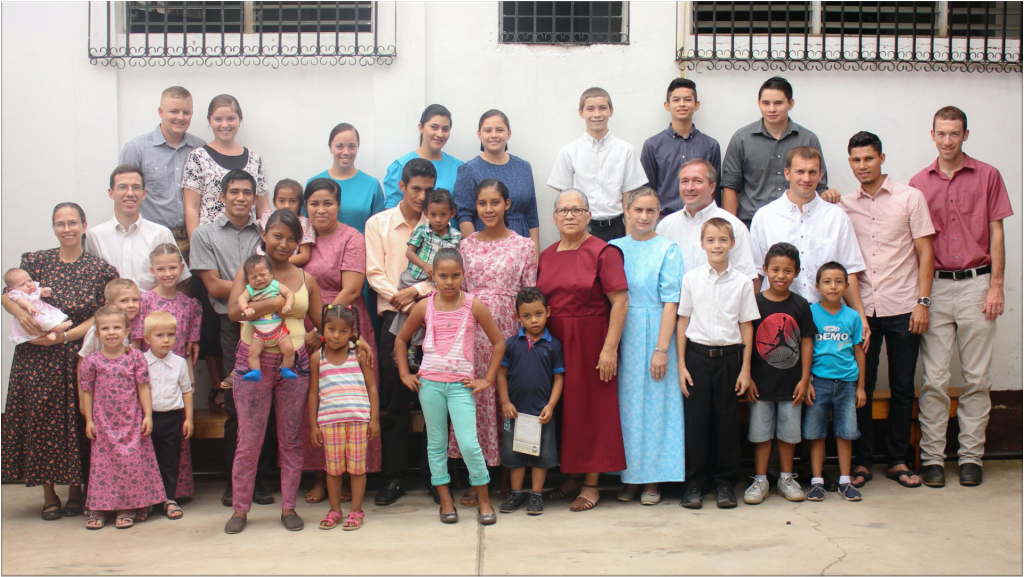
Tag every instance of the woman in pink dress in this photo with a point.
(498, 263)
(338, 263)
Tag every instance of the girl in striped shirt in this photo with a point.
(343, 410)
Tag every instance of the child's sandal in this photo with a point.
(331, 520)
(172, 510)
(125, 519)
(96, 520)
(141, 514)
(356, 520)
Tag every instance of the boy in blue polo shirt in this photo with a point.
(530, 382)
(837, 382)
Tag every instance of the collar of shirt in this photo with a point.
(594, 143)
(151, 358)
(886, 187)
(448, 235)
(790, 208)
(969, 164)
(701, 215)
(222, 221)
(157, 139)
(672, 132)
(398, 219)
(713, 275)
(131, 227)
(530, 343)
(791, 128)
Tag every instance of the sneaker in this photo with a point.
(817, 492)
(515, 500)
(790, 489)
(756, 493)
(849, 492)
(535, 506)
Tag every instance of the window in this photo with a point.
(565, 22)
(829, 35)
(251, 32)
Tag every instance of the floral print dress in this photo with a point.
(495, 271)
(203, 175)
(44, 434)
(123, 473)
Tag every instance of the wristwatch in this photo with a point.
(924, 301)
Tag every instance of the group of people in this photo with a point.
(326, 312)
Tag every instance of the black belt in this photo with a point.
(606, 222)
(963, 274)
(714, 351)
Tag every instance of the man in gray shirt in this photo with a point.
(161, 155)
(754, 165)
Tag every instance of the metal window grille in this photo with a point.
(141, 33)
(564, 22)
(832, 35)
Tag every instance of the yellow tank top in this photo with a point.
(294, 320)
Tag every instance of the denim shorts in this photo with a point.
(548, 448)
(841, 398)
(774, 420)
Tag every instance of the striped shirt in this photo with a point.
(343, 397)
(755, 163)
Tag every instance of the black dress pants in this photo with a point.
(167, 446)
(712, 437)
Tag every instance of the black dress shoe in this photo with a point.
(225, 499)
(970, 474)
(261, 496)
(726, 497)
(933, 476)
(692, 499)
(388, 494)
(831, 483)
(433, 493)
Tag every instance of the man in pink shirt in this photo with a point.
(968, 202)
(387, 234)
(894, 231)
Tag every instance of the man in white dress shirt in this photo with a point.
(604, 167)
(126, 240)
(697, 180)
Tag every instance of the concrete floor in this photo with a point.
(955, 530)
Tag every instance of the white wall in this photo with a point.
(64, 120)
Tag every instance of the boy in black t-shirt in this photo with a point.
(781, 370)
(530, 382)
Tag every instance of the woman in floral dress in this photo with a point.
(44, 433)
(498, 262)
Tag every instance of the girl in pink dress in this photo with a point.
(118, 411)
(499, 262)
(166, 265)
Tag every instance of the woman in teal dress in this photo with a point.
(435, 129)
(650, 401)
(361, 194)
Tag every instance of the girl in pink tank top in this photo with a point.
(445, 382)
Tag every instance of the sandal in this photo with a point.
(354, 520)
(73, 510)
(317, 494)
(469, 499)
(581, 503)
(903, 478)
(96, 520)
(125, 519)
(217, 407)
(52, 511)
(556, 494)
(141, 514)
(172, 510)
(860, 475)
(330, 521)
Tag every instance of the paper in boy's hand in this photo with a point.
(526, 438)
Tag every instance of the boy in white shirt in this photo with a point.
(604, 167)
(171, 388)
(715, 336)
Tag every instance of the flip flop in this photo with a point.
(902, 477)
(860, 474)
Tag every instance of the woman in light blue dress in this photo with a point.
(650, 401)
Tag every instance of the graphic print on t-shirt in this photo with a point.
(778, 341)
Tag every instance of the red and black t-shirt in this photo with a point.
(775, 362)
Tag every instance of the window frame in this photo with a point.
(623, 34)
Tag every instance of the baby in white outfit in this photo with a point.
(29, 296)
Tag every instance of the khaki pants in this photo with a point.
(956, 318)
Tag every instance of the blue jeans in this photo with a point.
(839, 397)
(439, 400)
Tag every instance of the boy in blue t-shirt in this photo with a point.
(530, 382)
(838, 380)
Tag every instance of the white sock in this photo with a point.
(785, 475)
(817, 481)
(761, 478)
(844, 480)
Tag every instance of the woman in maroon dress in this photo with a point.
(585, 284)
(338, 263)
(44, 432)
